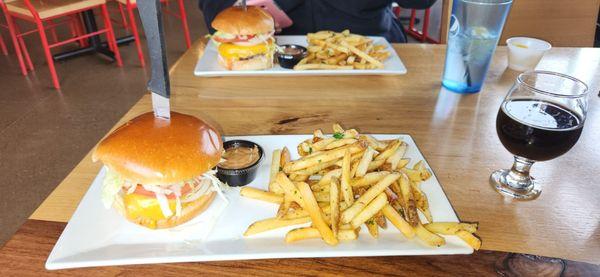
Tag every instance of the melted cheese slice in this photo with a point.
(144, 206)
(232, 51)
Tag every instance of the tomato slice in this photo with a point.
(236, 39)
(141, 191)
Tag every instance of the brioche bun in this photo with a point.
(155, 151)
(234, 20)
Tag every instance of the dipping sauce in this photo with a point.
(239, 157)
(290, 54)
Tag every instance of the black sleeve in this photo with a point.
(415, 4)
(210, 9)
(288, 5)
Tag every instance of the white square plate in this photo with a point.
(96, 236)
(208, 65)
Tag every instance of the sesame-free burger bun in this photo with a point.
(155, 151)
(234, 20)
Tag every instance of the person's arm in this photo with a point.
(210, 9)
(415, 4)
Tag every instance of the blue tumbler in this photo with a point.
(475, 28)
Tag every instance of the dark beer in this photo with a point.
(537, 130)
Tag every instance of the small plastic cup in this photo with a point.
(525, 53)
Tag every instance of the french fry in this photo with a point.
(289, 188)
(334, 205)
(380, 220)
(368, 179)
(423, 171)
(313, 233)
(320, 145)
(409, 205)
(402, 163)
(275, 167)
(370, 210)
(413, 175)
(347, 192)
(310, 205)
(362, 54)
(373, 142)
(313, 66)
(450, 228)
(326, 179)
(347, 234)
(395, 158)
(314, 169)
(421, 201)
(302, 234)
(428, 237)
(285, 157)
(337, 128)
(469, 238)
(375, 165)
(389, 151)
(366, 159)
(323, 157)
(262, 195)
(372, 227)
(273, 223)
(340, 143)
(284, 207)
(299, 177)
(367, 197)
(321, 196)
(293, 214)
(396, 219)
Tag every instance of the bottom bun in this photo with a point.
(189, 211)
(258, 62)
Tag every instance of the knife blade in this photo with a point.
(244, 5)
(159, 84)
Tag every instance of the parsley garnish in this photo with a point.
(280, 168)
(338, 135)
(310, 150)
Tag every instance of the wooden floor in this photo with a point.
(44, 133)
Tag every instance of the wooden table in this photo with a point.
(456, 133)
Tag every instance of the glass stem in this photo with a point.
(518, 177)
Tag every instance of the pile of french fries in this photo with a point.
(347, 180)
(331, 50)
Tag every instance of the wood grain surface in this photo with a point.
(26, 253)
(456, 133)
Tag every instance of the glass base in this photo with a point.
(459, 87)
(500, 181)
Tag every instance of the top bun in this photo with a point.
(155, 151)
(234, 20)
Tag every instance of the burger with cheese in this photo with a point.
(244, 38)
(159, 171)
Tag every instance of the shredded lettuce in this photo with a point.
(110, 187)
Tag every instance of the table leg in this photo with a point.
(96, 45)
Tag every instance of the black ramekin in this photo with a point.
(290, 60)
(242, 176)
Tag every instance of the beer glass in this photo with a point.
(540, 119)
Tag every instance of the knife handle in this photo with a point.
(151, 17)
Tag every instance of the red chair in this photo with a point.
(41, 11)
(412, 30)
(3, 46)
(130, 5)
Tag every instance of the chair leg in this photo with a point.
(136, 36)
(123, 17)
(53, 32)
(49, 58)
(186, 30)
(24, 51)
(111, 35)
(13, 36)
(3, 46)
